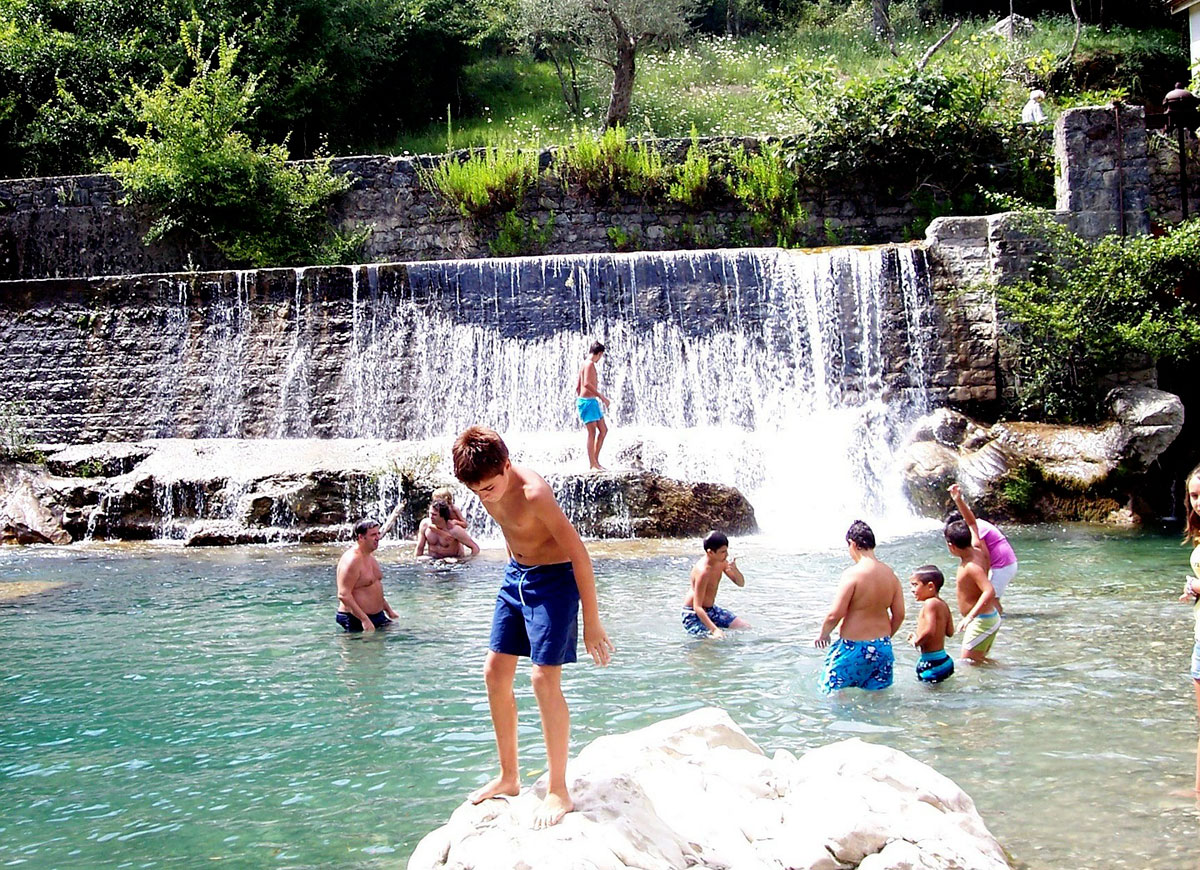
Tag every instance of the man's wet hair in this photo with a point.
(860, 535)
(714, 541)
(930, 574)
(364, 525)
(442, 509)
(596, 347)
(958, 533)
(479, 453)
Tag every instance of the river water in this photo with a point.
(170, 708)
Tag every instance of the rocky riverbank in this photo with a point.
(231, 491)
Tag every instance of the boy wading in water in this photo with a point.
(976, 596)
(549, 575)
(870, 607)
(701, 616)
(934, 625)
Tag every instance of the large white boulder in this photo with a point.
(695, 791)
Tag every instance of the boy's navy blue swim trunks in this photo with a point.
(350, 622)
(537, 613)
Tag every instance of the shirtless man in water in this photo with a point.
(870, 607)
(361, 605)
(444, 539)
(548, 580)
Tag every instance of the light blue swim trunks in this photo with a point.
(589, 409)
(858, 664)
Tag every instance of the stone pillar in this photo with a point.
(1103, 176)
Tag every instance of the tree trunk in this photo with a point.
(622, 86)
(881, 23)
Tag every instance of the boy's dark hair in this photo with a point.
(596, 347)
(930, 574)
(443, 509)
(363, 526)
(479, 453)
(958, 533)
(953, 517)
(860, 535)
(714, 541)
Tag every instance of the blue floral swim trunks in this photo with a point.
(858, 664)
(721, 618)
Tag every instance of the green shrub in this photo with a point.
(484, 182)
(516, 237)
(608, 165)
(15, 441)
(623, 240)
(695, 183)
(193, 170)
(769, 190)
(1091, 309)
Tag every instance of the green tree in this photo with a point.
(609, 32)
(193, 168)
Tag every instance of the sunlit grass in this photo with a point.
(715, 84)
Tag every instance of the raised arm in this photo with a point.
(733, 572)
(595, 640)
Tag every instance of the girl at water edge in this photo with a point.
(1191, 590)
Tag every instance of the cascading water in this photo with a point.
(790, 375)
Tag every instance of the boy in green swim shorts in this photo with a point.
(976, 595)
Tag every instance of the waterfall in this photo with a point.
(792, 375)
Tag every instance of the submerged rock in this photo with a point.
(1043, 471)
(695, 791)
(228, 491)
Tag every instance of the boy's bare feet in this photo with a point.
(552, 810)
(498, 787)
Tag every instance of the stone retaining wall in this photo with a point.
(75, 225)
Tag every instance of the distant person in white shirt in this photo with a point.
(1033, 113)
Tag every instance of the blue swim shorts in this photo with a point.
(350, 622)
(721, 618)
(858, 664)
(589, 409)
(537, 613)
(934, 666)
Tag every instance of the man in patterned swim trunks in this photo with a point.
(870, 607)
(701, 616)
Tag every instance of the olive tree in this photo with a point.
(610, 32)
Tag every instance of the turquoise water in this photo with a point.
(164, 708)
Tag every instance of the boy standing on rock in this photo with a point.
(549, 575)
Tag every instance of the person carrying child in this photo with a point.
(934, 625)
(869, 604)
(1002, 561)
(443, 540)
(549, 576)
(701, 616)
(446, 494)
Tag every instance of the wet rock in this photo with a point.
(1041, 471)
(29, 513)
(695, 791)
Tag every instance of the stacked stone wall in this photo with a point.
(76, 225)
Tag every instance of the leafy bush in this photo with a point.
(608, 165)
(1089, 308)
(695, 183)
(195, 171)
(516, 237)
(769, 190)
(484, 182)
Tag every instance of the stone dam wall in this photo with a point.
(415, 350)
